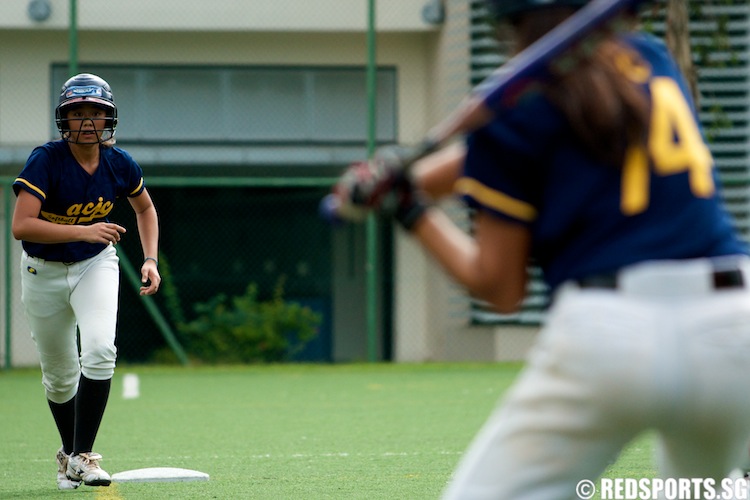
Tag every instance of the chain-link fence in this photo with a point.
(241, 115)
(219, 241)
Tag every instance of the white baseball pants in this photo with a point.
(665, 351)
(59, 298)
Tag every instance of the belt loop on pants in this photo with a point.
(732, 278)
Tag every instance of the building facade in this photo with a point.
(242, 114)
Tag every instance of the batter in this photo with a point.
(598, 172)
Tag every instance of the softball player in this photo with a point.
(601, 175)
(69, 267)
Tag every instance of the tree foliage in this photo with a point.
(678, 40)
(709, 46)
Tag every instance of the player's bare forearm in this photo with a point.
(36, 230)
(27, 226)
(148, 229)
(148, 223)
(501, 282)
(453, 249)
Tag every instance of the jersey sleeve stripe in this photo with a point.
(31, 186)
(496, 200)
(140, 185)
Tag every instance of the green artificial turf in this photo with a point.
(366, 431)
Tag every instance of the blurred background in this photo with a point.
(242, 114)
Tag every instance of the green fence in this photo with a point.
(220, 239)
(217, 238)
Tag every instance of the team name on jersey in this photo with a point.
(80, 213)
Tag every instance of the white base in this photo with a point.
(159, 474)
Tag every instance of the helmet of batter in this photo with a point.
(507, 8)
(86, 88)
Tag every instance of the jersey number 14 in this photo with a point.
(675, 145)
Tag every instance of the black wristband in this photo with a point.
(407, 214)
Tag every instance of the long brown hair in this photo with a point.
(606, 110)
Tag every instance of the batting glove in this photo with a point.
(381, 185)
(411, 204)
(365, 187)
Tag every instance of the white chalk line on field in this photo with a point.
(344, 454)
(262, 456)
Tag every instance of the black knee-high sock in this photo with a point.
(65, 418)
(91, 401)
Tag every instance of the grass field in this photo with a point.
(372, 431)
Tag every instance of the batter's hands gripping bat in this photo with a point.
(486, 98)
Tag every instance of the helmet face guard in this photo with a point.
(86, 89)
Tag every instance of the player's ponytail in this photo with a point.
(606, 110)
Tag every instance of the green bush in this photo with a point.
(238, 330)
(245, 330)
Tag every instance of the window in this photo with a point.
(210, 105)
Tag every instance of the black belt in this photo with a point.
(722, 279)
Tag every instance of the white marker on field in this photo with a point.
(159, 474)
(130, 386)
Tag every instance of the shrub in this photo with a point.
(238, 330)
(245, 330)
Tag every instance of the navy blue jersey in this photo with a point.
(588, 218)
(70, 195)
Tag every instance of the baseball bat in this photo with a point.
(486, 98)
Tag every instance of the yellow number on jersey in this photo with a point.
(675, 145)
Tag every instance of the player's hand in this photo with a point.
(103, 232)
(361, 189)
(381, 186)
(368, 185)
(150, 278)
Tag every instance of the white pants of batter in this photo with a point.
(57, 298)
(666, 352)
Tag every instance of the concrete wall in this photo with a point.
(25, 60)
(221, 15)
(432, 63)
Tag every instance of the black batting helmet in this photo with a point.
(86, 88)
(507, 8)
